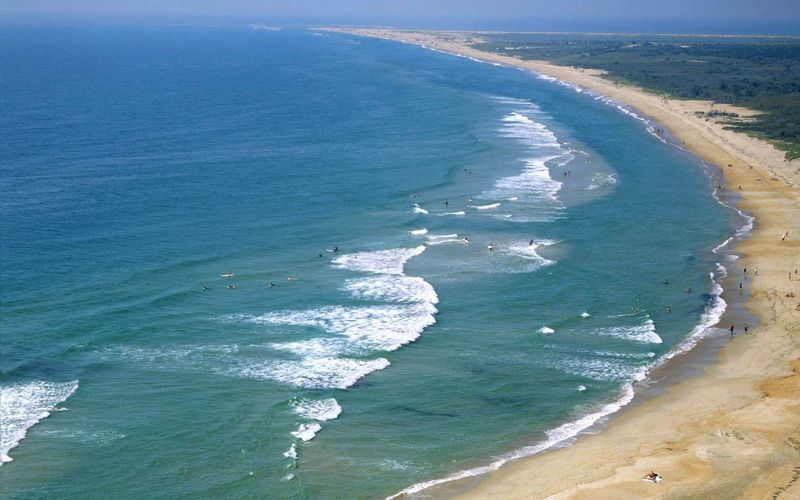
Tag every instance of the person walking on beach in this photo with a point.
(731, 329)
(746, 327)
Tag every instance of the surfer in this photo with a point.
(491, 247)
(466, 240)
(230, 286)
(530, 242)
(335, 249)
(669, 309)
(446, 203)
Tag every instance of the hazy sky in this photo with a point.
(494, 14)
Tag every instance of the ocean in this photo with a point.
(289, 264)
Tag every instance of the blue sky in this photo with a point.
(538, 15)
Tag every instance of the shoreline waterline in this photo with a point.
(678, 128)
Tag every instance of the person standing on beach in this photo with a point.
(746, 327)
(731, 329)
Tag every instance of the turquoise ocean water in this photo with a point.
(139, 165)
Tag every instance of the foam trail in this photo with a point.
(419, 210)
(23, 405)
(419, 232)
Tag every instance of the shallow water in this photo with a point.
(141, 164)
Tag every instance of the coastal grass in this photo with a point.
(758, 73)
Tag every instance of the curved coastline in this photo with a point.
(732, 431)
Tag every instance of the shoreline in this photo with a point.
(733, 430)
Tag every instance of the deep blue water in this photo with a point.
(141, 164)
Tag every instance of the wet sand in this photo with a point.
(734, 430)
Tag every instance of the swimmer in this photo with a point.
(230, 286)
(271, 284)
(669, 309)
(689, 290)
(205, 287)
(491, 247)
(530, 242)
(446, 203)
(666, 282)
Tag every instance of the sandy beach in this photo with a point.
(734, 431)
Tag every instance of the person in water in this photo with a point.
(491, 247)
(731, 329)
(530, 242)
(335, 249)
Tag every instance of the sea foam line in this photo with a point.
(555, 436)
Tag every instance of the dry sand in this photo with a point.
(732, 432)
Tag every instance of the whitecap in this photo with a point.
(380, 261)
(315, 373)
(485, 207)
(419, 232)
(645, 332)
(291, 452)
(307, 432)
(585, 314)
(546, 330)
(23, 405)
(392, 288)
(317, 409)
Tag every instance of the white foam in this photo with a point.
(392, 288)
(306, 432)
(603, 369)
(585, 314)
(601, 180)
(712, 313)
(485, 207)
(381, 261)
(460, 212)
(546, 330)
(560, 434)
(317, 409)
(291, 452)
(528, 251)
(419, 210)
(419, 232)
(645, 332)
(23, 405)
(441, 239)
(383, 327)
(581, 388)
(315, 373)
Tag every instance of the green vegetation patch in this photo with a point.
(760, 73)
